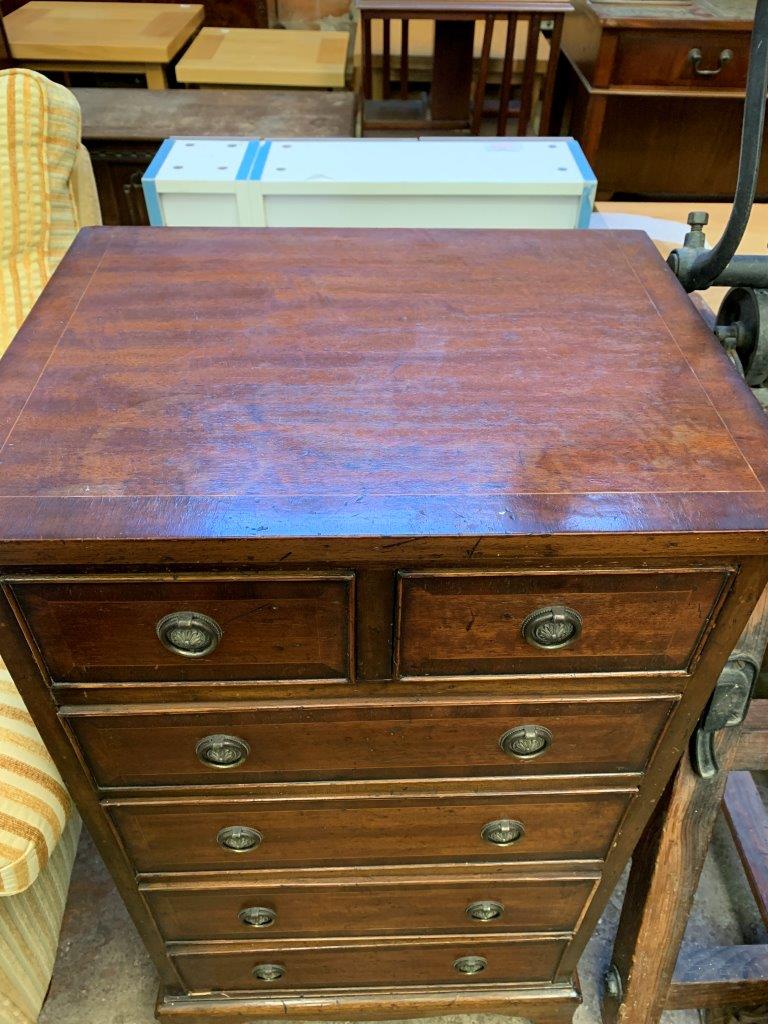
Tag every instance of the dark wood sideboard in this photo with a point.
(654, 98)
(365, 642)
(123, 129)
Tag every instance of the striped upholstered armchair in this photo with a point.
(48, 193)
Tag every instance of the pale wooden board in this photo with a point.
(119, 33)
(421, 41)
(276, 57)
(755, 237)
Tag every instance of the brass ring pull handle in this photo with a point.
(552, 628)
(526, 741)
(695, 57)
(239, 838)
(470, 964)
(485, 910)
(503, 832)
(268, 972)
(257, 917)
(221, 751)
(191, 634)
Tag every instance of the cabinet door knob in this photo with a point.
(553, 627)
(695, 57)
(485, 910)
(239, 838)
(257, 917)
(526, 741)
(268, 972)
(503, 832)
(191, 634)
(470, 964)
(221, 751)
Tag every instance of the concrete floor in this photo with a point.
(103, 975)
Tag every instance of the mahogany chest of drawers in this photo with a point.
(366, 587)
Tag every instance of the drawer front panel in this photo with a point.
(383, 963)
(663, 59)
(304, 743)
(271, 628)
(362, 908)
(184, 835)
(460, 624)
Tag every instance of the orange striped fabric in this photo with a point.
(29, 934)
(40, 133)
(34, 805)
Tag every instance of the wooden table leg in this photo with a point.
(666, 866)
(155, 75)
(452, 70)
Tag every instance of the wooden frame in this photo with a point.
(455, 103)
(649, 973)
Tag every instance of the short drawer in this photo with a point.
(471, 901)
(149, 746)
(385, 962)
(506, 623)
(669, 59)
(250, 628)
(198, 834)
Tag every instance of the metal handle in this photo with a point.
(503, 832)
(257, 917)
(485, 910)
(239, 838)
(526, 741)
(220, 751)
(190, 634)
(695, 57)
(268, 972)
(470, 964)
(553, 627)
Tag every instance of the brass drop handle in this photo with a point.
(257, 917)
(191, 634)
(239, 838)
(526, 741)
(503, 832)
(695, 57)
(470, 964)
(553, 627)
(268, 972)
(485, 910)
(222, 751)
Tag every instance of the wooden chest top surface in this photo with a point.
(219, 384)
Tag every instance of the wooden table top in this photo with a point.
(461, 8)
(144, 115)
(684, 14)
(92, 30)
(259, 56)
(303, 388)
(754, 241)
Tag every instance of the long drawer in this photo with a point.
(151, 746)
(259, 626)
(464, 623)
(456, 960)
(449, 901)
(193, 834)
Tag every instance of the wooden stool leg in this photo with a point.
(545, 126)
(386, 67)
(506, 76)
(666, 866)
(155, 75)
(482, 75)
(404, 76)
